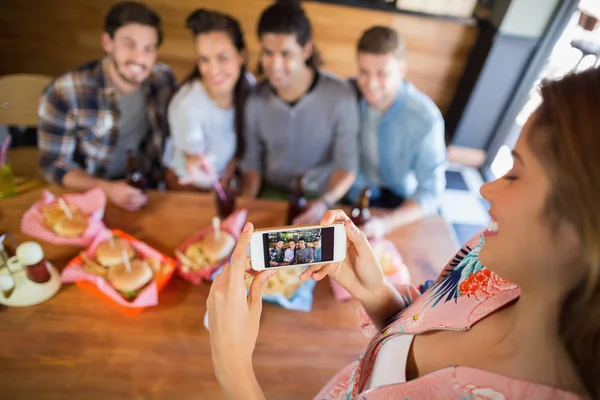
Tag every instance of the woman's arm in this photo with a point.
(239, 383)
(384, 303)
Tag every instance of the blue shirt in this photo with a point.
(412, 151)
(318, 255)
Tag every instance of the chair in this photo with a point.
(588, 44)
(19, 99)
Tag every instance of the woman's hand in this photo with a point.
(234, 317)
(360, 273)
(197, 174)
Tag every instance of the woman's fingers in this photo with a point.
(308, 272)
(332, 216)
(323, 272)
(239, 258)
(256, 288)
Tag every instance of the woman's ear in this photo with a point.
(243, 56)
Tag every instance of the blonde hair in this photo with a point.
(568, 146)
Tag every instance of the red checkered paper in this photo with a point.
(401, 275)
(92, 203)
(74, 272)
(232, 225)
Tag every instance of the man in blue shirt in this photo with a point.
(403, 150)
(317, 249)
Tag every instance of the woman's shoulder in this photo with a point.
(189, 94)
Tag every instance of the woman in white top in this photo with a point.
(290, 254)
(206, 113)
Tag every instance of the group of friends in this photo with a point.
(376, 131)
(516, 312)
(280, 256)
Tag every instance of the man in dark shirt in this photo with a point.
(276, 254)
(304, 254)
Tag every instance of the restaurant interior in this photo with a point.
(68, 337)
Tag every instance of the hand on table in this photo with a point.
(233, 316)
(360, 273)
(125, 196)
(376, 228)
(313, 214)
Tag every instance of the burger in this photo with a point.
(110, 252)
(130, 281)
(69, 228)
(61, 224)
(217, 247)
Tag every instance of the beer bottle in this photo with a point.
(360, 214)
(135, 175)
(297, 202)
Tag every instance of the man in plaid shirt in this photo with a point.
(91, 117)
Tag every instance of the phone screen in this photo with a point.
(298, 247)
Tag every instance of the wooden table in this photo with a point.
(75, 346)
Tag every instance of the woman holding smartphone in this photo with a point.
(514, 315)
(206, 113)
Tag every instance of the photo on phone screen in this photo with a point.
(298, 247)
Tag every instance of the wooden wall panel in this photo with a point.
(52, 36)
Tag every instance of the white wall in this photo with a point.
(528, 18)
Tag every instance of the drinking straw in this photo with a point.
(4, 150)
(215, 180)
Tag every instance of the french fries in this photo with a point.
(193, 259)
(92, 266)
(385, 258)
(286, 281)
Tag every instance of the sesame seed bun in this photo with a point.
(217, 250)
(74, 227)
(127, 281)
(109, 256)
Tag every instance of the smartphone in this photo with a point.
(297, 246)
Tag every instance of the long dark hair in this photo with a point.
(204, 21)
(288, 17)
(567, 146)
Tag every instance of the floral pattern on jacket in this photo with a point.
(464, 293)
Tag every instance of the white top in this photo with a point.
(288, 256)
(199, 126)
(390, 364)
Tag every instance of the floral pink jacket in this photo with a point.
(464, 293)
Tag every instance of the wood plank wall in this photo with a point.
(53, 36)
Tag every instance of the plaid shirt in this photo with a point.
(79, 121)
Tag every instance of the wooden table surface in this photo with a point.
(77, 347)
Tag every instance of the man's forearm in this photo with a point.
(339, 184)
(78, 180)
(408, 212)
(251, 181)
